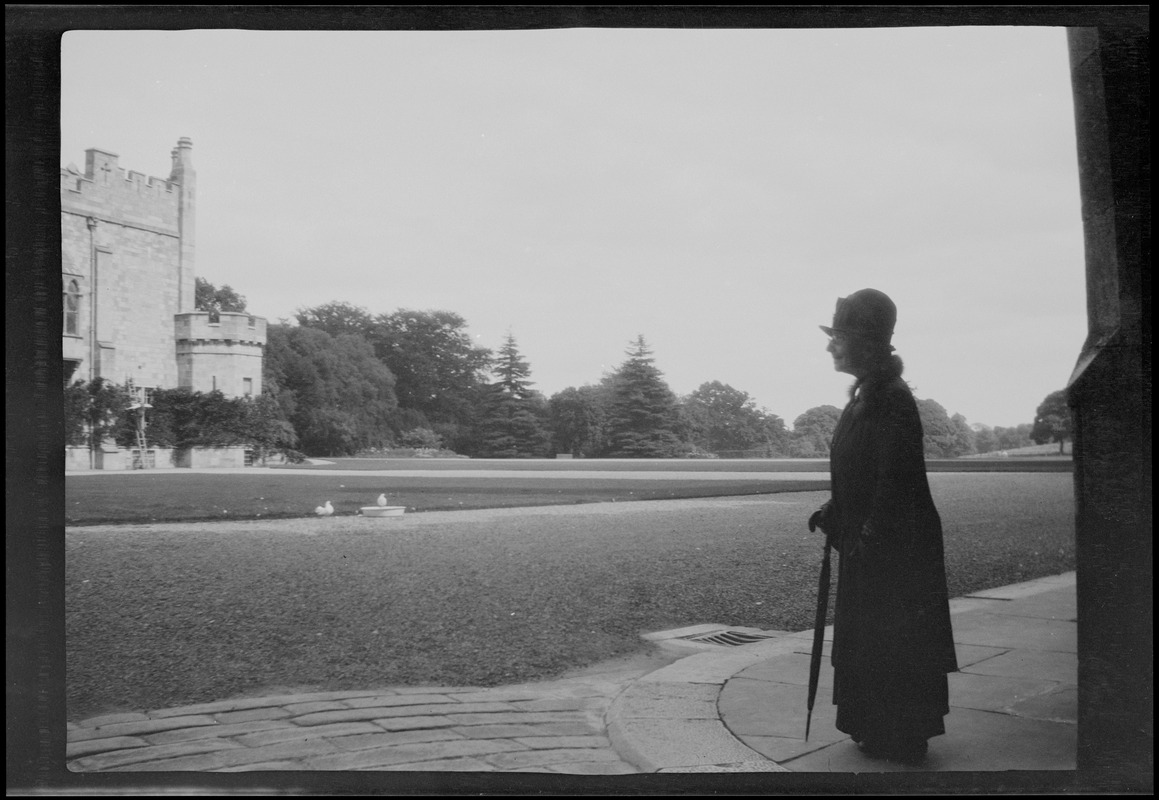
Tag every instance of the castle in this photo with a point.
(127, 267)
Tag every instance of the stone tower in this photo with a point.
(128, 268)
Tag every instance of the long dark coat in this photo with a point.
(892, 641)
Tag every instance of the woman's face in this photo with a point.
(841, 350)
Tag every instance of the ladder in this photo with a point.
(142, 402)
(142, 448)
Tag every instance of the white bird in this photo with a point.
(324, 511)
(382, 499)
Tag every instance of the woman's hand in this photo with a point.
(821, 518)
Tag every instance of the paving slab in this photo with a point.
(762, 708)
(297, 733)
(214, 731)
(1014, 632)
(714, 667)
(1053, 666)
(783, 750)
(790, 668)
(540, 758)
(1057, 705)
(1058, 603)
(392, 700)
(443, 765)
(563, 742)
(669, 701)
(88, 747)
(970, 654)
(111, 719)
(370, 741)
(408, 754)
(140, 727)
(975, 741)
(994, 692)
(133, 755)
(515, 730)
(656, 744)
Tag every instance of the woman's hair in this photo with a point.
(875, 357)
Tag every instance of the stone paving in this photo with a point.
(551, 727)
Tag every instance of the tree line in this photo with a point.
(343, 382)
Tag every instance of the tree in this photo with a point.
(578, 420)
(938, 432)
(722, 418)
(337, 395)
(511, 423)
(813, 432)
(76, 414)
(94, 411)
(1052, 421)
(421, 439)
(643, 417)
(1013, 438)
(439, 372)
(184, 418)
(337, 318)
(964, 444)
(985, 440)
(206, 297)
(438, 369)
(267, 428)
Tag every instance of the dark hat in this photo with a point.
(868, 313)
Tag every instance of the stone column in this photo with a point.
(1110, 394)
(185, 176)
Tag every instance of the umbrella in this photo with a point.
(818, 635)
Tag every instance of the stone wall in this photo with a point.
(225, 355)
(127, 268)
(121, 242)
(211, 457)
(77, 459)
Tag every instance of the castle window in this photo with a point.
(72, 309)
(247, 386)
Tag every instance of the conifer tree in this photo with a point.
(644, 417)
(512, 419)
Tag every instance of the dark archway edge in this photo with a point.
(1110, 390)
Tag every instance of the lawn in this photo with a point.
(295, 491)
(145, 497)
(160, 615)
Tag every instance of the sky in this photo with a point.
(714, 191)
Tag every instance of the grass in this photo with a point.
(159, 616)
(165, 496)
(292, 492)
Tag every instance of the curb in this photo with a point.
(669, 721)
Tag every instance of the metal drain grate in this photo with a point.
(727, 638)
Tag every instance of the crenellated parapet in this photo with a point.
(112, 194)
(202, 326)
(220, 352)
(73, 180)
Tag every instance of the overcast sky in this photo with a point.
(712, 190)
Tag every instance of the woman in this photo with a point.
(892, 642)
